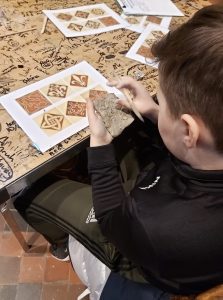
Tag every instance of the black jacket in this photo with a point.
(171, 223)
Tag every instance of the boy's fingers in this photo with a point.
(112, 83)
(124, 82)
(91, 111)
(124, 103)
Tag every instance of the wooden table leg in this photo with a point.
(11, 222)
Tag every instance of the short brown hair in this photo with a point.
(191, 69)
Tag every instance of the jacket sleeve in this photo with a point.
(115, 211)
(107, 189)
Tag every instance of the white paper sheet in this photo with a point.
(140, 50)
(85, 20)
(149, 7)
(139, 23)
(54, 108)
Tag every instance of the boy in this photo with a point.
(170, 225)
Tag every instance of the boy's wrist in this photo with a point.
(96, 141)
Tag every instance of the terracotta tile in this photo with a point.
(9, 246)
(32, 269)
(74, 291)
(27, 291)
(8, 292)
(56, 270)
(9, 270)
(73, 277)
(55, 291)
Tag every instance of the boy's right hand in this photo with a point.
(142, 99)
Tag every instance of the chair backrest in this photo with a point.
(215, 293)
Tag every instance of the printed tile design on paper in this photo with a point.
(157, 34)
(64, 17)
(76, 109)
(133, 20)
(98, 11)
(96, 94)
(149, 42)
(33, 102)
(75, 27)
(92, 24)
(52, 121)
(79, 80)
(109, 21)
(145, 52)
(57, 90)
(154, 19)
(81, 14)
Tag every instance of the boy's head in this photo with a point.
(191, 72)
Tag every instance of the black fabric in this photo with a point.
(120, 288)
(170, 225)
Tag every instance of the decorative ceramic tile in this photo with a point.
(108, 21)
(33, 102)
(81, 14)
(92, 24)
(57, 90)
(145, 52)
(154, 19)
(75, 27)
(98, 11)
(64, 17)
(76, 109)
(79, 80)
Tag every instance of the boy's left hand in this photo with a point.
(99, 134)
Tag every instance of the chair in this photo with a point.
(215, 293)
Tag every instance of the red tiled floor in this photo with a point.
(56, 270)
(55, 291)
(32, 269)
(10, 268)
(35, 271)
(9, 245)
(73, 278)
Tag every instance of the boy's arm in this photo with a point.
(141, 97)
(106, 183)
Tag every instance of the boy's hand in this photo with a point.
(99, 134)
(141, 97)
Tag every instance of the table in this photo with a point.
(29, 56)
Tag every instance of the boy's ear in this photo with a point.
(192, 130)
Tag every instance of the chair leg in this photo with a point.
(11, 222)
